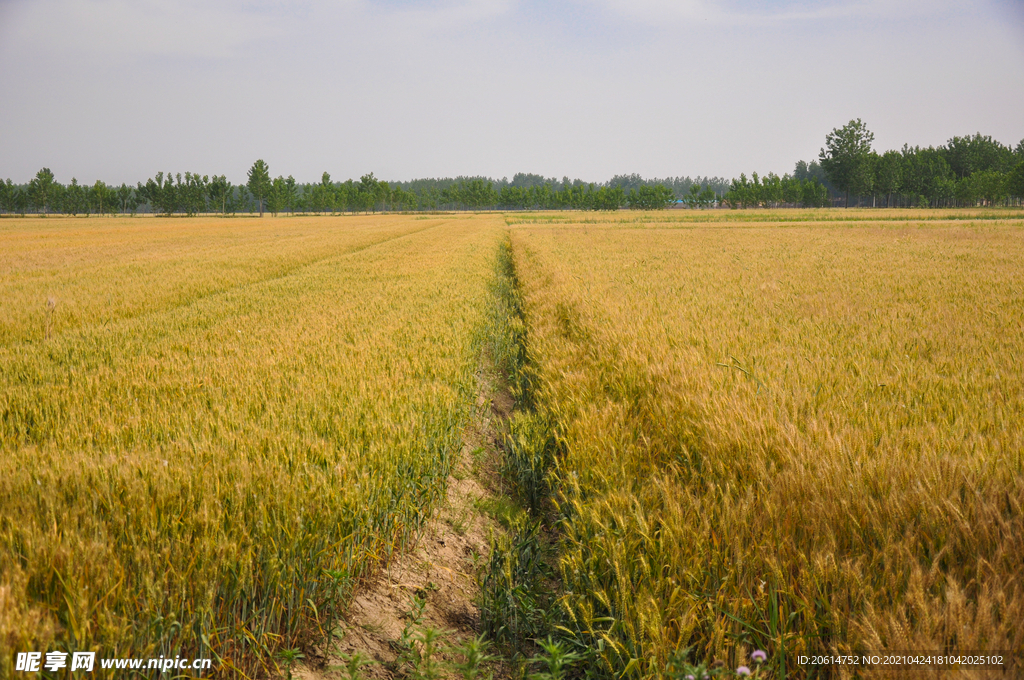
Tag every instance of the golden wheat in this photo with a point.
(218, 423)
(799, 437)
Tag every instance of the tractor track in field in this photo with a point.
(441, 568)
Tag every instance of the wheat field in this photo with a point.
(211, 428)
(780, 433)
(796, 431)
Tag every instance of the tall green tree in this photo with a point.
(19, 201)
(927, 179)
(239, 202)
(75, 200)
(101, 198)
(990, 186)
(430, 199)
(846, 158)
(56, 197)
(192, 192)
(1015, 181)
(889, 174)
(127, 199)
(813, 194)
(968, 155)
(370, 192)
(161, 193)
(259, 182)
(324, 195)
(291, 194)
(218, 190)
(657, 197)
(707, 198)
(692, 198)
(346, 196)
(39, 189)
(277, 196)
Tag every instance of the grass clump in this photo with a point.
(515, 594)
(529, 454)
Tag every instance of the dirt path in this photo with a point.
(441, 569)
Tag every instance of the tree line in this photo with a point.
(966, 171)
(191, 194)
(963, 172)
(772, 191)
(680, 186)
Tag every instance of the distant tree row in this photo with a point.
(772, 191)
(44, 194)
(966, 171)
(479, 194)
(191, 194)
(680, 186)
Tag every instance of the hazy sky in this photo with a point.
(119, 89)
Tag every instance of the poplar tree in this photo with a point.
(259, 182)
(127, 199)
(19, 201)
(74, 198)
(39, 189)
(889, 174)
(276, 196)
(218, 189)
(101, 198)
(1015, 180)
(291, 194)
(160, 193)
(324, 195)
(847, 161)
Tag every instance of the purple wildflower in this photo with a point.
(742, 670)
(759, 656)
